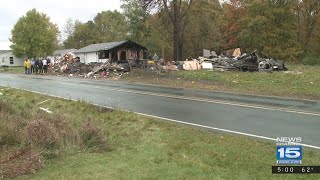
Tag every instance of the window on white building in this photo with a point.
(11, 60)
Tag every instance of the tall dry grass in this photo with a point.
(27, 139)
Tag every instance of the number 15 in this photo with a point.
(291, 152)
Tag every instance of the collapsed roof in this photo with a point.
(110, 46)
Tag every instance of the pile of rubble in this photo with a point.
(75, 67)
(233, 60)
(244, 62)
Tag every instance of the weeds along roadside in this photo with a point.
(28, 138)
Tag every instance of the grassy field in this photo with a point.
(16, 70)
(305, 85)
(138, 147)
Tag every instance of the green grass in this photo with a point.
(15, 70)
(305, 85)
(145, 148)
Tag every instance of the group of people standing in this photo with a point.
(37, 66)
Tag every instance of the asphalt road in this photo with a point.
(257, 116)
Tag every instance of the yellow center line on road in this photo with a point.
(201, 100)
(253, 106)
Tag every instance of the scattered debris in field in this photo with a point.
(271, 65)
(170, 67)
(207, 65)
(192, 65)
(43, 101)
(292, 72)
(244, 62)
(91, 70)
(231, 60)
(1, 94)
(45, 110)
(208, 53)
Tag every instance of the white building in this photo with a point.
(8, 59)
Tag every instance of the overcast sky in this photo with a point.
(58, 10)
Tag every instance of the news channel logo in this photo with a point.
(289, 150)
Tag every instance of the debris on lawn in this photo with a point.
(170, 67)
(244, 62)
(43, 101)
(208, 53)
(207, 65)
(292, 72)
(232, 52)
(91, 70)
(271, 65)
(231, 60)
(192, 65)
(45, 110)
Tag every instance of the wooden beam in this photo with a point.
(110, 57)
(127, 54)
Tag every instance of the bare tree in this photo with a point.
(177, 11)
(68, 29)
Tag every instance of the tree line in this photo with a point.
(179, 29)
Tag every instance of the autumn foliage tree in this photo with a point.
(203, 30)
(269, 26)
(281, 29)
(233, 12)
(307, 14)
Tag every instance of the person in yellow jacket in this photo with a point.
(27, 65)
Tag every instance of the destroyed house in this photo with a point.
(121, 52)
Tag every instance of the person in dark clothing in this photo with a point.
(36, 65)
(40, 67)
(49, 61)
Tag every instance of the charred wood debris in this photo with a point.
(73, 66)
(244, 62)
(236, 62)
